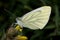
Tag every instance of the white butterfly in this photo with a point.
(36, 19)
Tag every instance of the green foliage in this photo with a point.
(10, 9)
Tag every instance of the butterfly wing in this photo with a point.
(37, 18)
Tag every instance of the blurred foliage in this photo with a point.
(10, 9)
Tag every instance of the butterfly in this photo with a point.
(36, 19)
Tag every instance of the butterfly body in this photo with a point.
(36, 19)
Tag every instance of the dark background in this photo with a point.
(10, 9)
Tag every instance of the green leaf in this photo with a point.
(50, 26)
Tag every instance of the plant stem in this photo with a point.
(56, 18)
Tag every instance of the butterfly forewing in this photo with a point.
(37, 18)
